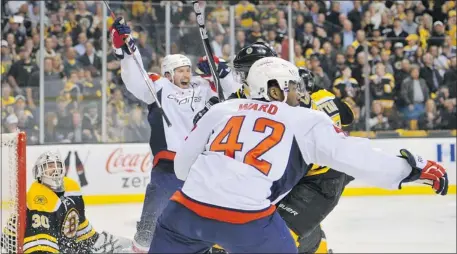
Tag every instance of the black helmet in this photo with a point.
(251, 53)
(308, 79)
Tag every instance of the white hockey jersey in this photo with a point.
(180, 105)
(244, 156)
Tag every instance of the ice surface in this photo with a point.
(413, 224)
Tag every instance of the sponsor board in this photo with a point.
(119, 173)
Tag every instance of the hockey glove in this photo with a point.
(108, 243)
(203, 68)
(121, 39)
(426, 172)
(212, 101)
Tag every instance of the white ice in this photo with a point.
(401, 224)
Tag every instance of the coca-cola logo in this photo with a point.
(120, 161)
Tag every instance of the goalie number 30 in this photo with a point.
(227, 141)
(40, 221)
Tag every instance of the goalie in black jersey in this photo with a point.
(317, 193)
(56, 220)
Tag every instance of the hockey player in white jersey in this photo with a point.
(244, 155)
(181, 97)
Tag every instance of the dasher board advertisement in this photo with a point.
(119, 173)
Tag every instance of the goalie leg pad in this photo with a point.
(159, 190)
(311, 200)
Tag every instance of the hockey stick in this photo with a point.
(146, 78)
(208, 50)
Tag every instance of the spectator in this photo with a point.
(355, 16)
(430, 74)
(50, 133)
(347, 34)
(382, 85)
(408, 24)
(91, 124)
(395, 60)
(71, 63)
(397, 34)
(440, 61)
(411, 47)
(402, 74)
(430, 120)
(308, 36)
(340, 60)
(226, 54)
(282, 27)
(378, 121)
(269, 17)
(240, 40)
(299, 28)
(19, 74)
(26, 120)
(346, 86)
(7, 57)
(11, 123)
(7, 96)
(333, 15)
(245, 14)
(359, 42)
(414, 92)
(64, 121)
(321, 78)
(137, 128)
(450, 77)
(217, 44)
(90, 60)
(437, 36)
(299, 59)
(17, 30)
(80, 47)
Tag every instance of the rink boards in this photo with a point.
(119, 173)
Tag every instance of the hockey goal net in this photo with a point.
(13, 184)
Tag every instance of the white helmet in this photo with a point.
(49, 170)
(268, 69)
(171, 62)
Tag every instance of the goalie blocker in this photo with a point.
(56, 219)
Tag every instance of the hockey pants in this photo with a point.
(161, 187)
(180, 230)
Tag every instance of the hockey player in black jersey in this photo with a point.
(56, 218)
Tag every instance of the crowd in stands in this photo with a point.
(404, 50)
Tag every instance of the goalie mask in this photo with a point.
(49, 171)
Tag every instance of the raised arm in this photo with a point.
(326, 144)
(130, 71)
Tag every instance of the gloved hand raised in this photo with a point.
(204, 70)
(122, 41)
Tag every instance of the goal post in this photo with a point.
(14, 191)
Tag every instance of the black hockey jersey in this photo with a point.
(56, 222)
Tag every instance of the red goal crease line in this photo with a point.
(348, 192)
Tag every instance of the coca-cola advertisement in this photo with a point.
(122, 160)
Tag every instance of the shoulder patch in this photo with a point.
(70, 185)
(41, 198)
(154, 76)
